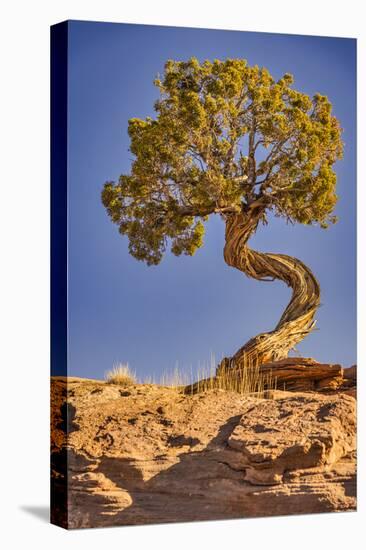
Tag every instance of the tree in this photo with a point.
(229, 139)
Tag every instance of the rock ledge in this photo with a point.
(149, 454)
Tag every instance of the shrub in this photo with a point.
(121, 375)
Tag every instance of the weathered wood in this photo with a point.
(298, 318)
(304, 374)
(291, 374)
(350, 373)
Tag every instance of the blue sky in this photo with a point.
(189, 307)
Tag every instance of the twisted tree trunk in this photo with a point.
(298, 318)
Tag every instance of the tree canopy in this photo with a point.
(227, 137)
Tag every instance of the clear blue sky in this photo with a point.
(186, 308)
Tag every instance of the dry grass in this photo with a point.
(175, 379)
(121, 375)
(247, 380)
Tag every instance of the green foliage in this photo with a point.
(226, 137)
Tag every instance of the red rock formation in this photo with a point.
(149, 454)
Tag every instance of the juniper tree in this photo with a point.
(229, 139)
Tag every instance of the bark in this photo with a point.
(298, 318)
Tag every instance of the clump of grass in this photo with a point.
(121, 375)
(247, 380)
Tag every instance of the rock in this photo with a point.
(304, 374)
(217, 454)
(294, 434)
(350, 373)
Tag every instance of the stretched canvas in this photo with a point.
(203, 300)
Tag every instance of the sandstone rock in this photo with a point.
(214, 455)
(304, 374)
(293, 434)
(350, 373)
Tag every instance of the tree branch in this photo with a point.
(195, 211)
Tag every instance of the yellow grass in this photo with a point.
(175, 378)
(121, 375)
(247, 380)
